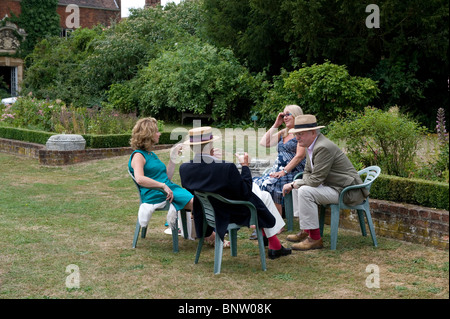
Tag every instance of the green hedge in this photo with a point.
(20, 134)
(92, 141)
(412, 191)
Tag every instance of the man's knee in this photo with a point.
(305, 191)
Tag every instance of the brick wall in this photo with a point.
(20, 148)
(89, 17)
(405, 222)
(9, 5)
(55, 158)
(152, 3)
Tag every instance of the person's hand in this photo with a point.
(176, 152)
(169, 192)
(216, 153)
(277, 174)
(243, 158)
(287, 188)
(279, 120)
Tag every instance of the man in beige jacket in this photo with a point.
(328, 170)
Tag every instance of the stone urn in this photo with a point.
(66, 142)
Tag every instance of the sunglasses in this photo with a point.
(287, 114)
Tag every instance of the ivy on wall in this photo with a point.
(39, 19)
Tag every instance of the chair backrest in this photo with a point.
(372, 173)
(137, 185)
(207, 208)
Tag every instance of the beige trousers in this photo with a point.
(268, 201)
(308, 198)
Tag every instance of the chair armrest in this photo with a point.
(346, 189)
(231, 201)
(297, 176)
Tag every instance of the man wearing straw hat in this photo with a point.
(328, 171)
(209, 174)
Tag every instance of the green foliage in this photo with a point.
(274, 96)
(55, 70)
(39, 19)
(80, 69)
(54, 116)
(20, 134)
(328, 90)
(194, 77)
(31, 113)
(407, 54)
(411, 191)
(92, 140)
(437, 168)
(386, 139)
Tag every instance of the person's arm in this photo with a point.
(241, 183)
(268, 140)
(299, 156)
(137, 163)
(173, 159)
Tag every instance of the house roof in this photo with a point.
(95, 4)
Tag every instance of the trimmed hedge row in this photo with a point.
(92, 141)
(20, 134)
(412, 191)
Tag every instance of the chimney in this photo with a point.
(152, 3)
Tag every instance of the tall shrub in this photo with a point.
(194, 77)
(374, 137)
(328, 90)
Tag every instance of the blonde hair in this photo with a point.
(142, 134)
(295, 110)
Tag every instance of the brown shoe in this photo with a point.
(297, 237)
(308, 244)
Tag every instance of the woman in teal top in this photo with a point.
(149, 171)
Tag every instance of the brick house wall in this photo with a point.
(152, 3)
(9, 5)
(92, 12)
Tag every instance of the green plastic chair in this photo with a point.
(372, 173)
(209, 219)
(289, 207)
(165, 208)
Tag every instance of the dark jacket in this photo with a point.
(223, 178)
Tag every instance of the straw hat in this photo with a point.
(306, 122)
(200, 135)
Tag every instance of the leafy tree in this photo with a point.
(251, 29)
(55, 67)
(328, 90)
(408, 54)
(194, 77)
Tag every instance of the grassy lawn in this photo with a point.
(84, 215)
